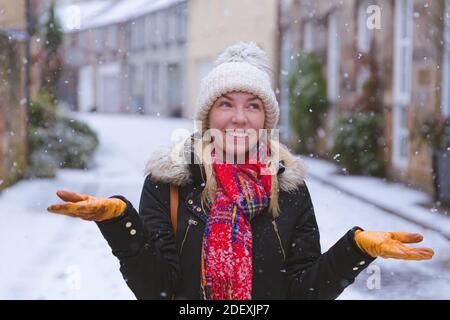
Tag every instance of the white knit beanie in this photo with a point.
(241, 67)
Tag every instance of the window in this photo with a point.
(151, 29)
(136, 88)
(308, 36)
(141, 33)
(403, 50)
(83, 39)
(403, 37)
(148, 31)
(154, 83)
(162, 26)
(98, 39)
(364, 33)
(137, 34)
(333, 58)
(446, 63)
(286, 65)
(131, 82)
(159, 27)
(174, 89)
(181, 22)
(171, 24)
(111, 38)
(132, 35)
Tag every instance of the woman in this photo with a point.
(245, 230)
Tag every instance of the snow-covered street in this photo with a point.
(46, 256)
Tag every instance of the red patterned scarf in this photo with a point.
(242, 193)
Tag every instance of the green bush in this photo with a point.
(434, 129)
(57, 141)
(358, 146)
(42, 111)
(307, 100)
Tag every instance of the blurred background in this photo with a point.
(88, 89)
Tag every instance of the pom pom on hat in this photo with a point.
(241, 67)
(246, 52)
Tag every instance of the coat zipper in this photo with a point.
(191, 222)
(275, 227)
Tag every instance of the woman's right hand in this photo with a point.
(88, 207)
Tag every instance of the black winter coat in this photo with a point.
(287, 258)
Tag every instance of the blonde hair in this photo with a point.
(202, 150)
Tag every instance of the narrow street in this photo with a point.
(46, 256)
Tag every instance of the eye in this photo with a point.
(225, 104)
(255, 106)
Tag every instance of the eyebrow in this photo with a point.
(249, 99)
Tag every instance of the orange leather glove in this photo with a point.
(88, 207)
(390, 245)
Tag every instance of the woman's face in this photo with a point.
(238, 117)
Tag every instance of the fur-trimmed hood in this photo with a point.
(162, 167)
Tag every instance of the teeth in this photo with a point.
(237, 134)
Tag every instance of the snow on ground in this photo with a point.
(46, 256)
(393, 196)
(336, 213)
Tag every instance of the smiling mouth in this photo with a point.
(239, 133)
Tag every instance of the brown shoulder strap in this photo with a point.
(174, 207)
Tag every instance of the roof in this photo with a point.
(86, 10)
(100, 13)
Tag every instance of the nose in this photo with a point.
(239, 117)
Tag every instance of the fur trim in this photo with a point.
(295, 170)
(164, 169)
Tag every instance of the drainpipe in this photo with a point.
(29, 34)
(27, 106)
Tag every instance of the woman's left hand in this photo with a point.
(391, 245)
